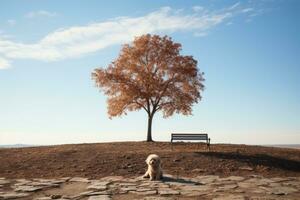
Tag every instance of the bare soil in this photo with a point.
(128, 159)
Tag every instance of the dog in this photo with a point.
(154, 171)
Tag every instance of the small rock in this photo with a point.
(246, 168)
(55, 196)
(197, 170)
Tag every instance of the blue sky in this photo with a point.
(248, 50)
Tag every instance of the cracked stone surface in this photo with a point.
(116, 187)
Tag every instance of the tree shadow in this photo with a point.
(257, 159)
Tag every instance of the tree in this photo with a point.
(151, 74)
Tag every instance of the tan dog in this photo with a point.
(154, 170)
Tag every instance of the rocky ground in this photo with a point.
(118, 187)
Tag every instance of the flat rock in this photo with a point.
(43, 198)
(87, 193)
(13, 195)
(27, 188)
(168, 192)
(97, 187)
(199, 188)
(145, 193)
(192, 193)
(127, 184)
(230, 197)
(245, 185)
(292, 183)
(283, 190)
(143, 189)
(50, 181)
(129, 188)
(279, 179)
(100, 197)
(232, 178)
(225, 188)
(207, 179)
(158, 198)
(246, 168)
(3, 181)
(113, 178)
(79, 179)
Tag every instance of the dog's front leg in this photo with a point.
(151, 177)
(146, 175)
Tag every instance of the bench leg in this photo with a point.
(208, 144)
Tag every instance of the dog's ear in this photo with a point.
(159, 161)
(147, 160)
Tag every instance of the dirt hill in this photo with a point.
(128, 159)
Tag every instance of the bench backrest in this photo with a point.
(189, 136)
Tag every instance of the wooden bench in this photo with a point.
(190, 136)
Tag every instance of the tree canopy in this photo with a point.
(151, 74)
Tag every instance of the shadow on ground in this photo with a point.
(257, 159)
(178, 180)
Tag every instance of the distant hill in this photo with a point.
(16, 146)
(293, 146)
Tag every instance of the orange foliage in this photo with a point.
(151, 74)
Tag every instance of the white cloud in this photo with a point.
(11, 22)
(79, 40)
(4, 64)
(234, 6)
(201, 34)
(247, 10)
(198, 8)
(40, 13)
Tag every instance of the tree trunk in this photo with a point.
(149, 133)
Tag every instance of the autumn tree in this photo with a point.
(151, 74)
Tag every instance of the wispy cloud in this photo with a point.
(4, 64)
(247, 10)
(11, 22)
(198, 8)
(80, 40)
(40, 13)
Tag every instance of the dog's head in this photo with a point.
(153, 160)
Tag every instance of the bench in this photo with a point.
(190, 136)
